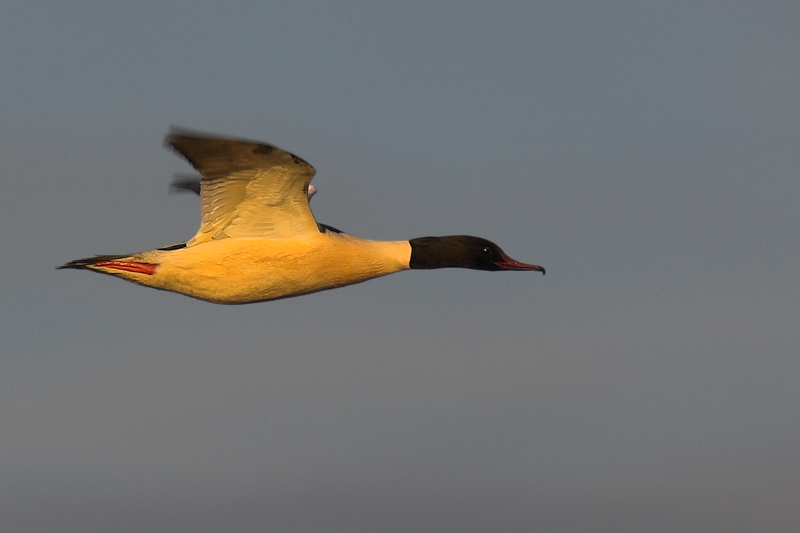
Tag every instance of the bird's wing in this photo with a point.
(186, 182)
(248, 189)
(191, 182)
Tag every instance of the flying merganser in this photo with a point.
(258, 239)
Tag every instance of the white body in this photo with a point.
(235, 271)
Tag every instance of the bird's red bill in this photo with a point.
(511, 264)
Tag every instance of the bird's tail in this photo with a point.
(107, 264)
(89, 262)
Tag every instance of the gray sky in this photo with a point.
(645, 153)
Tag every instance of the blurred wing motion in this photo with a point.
(186, 182)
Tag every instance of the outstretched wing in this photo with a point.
(248, 189)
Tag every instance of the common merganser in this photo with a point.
(258, 239)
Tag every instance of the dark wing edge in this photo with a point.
(216, 156)
(185, 182)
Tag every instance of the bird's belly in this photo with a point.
(251, 273)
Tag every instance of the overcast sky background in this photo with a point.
(645, 153)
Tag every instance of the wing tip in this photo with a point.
(179, 137)
(186, 182)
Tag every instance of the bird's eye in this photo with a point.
(487, 250)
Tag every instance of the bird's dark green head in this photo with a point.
(462, 251)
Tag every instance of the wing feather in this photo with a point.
(248, 189)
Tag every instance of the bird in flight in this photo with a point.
(258, 239)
